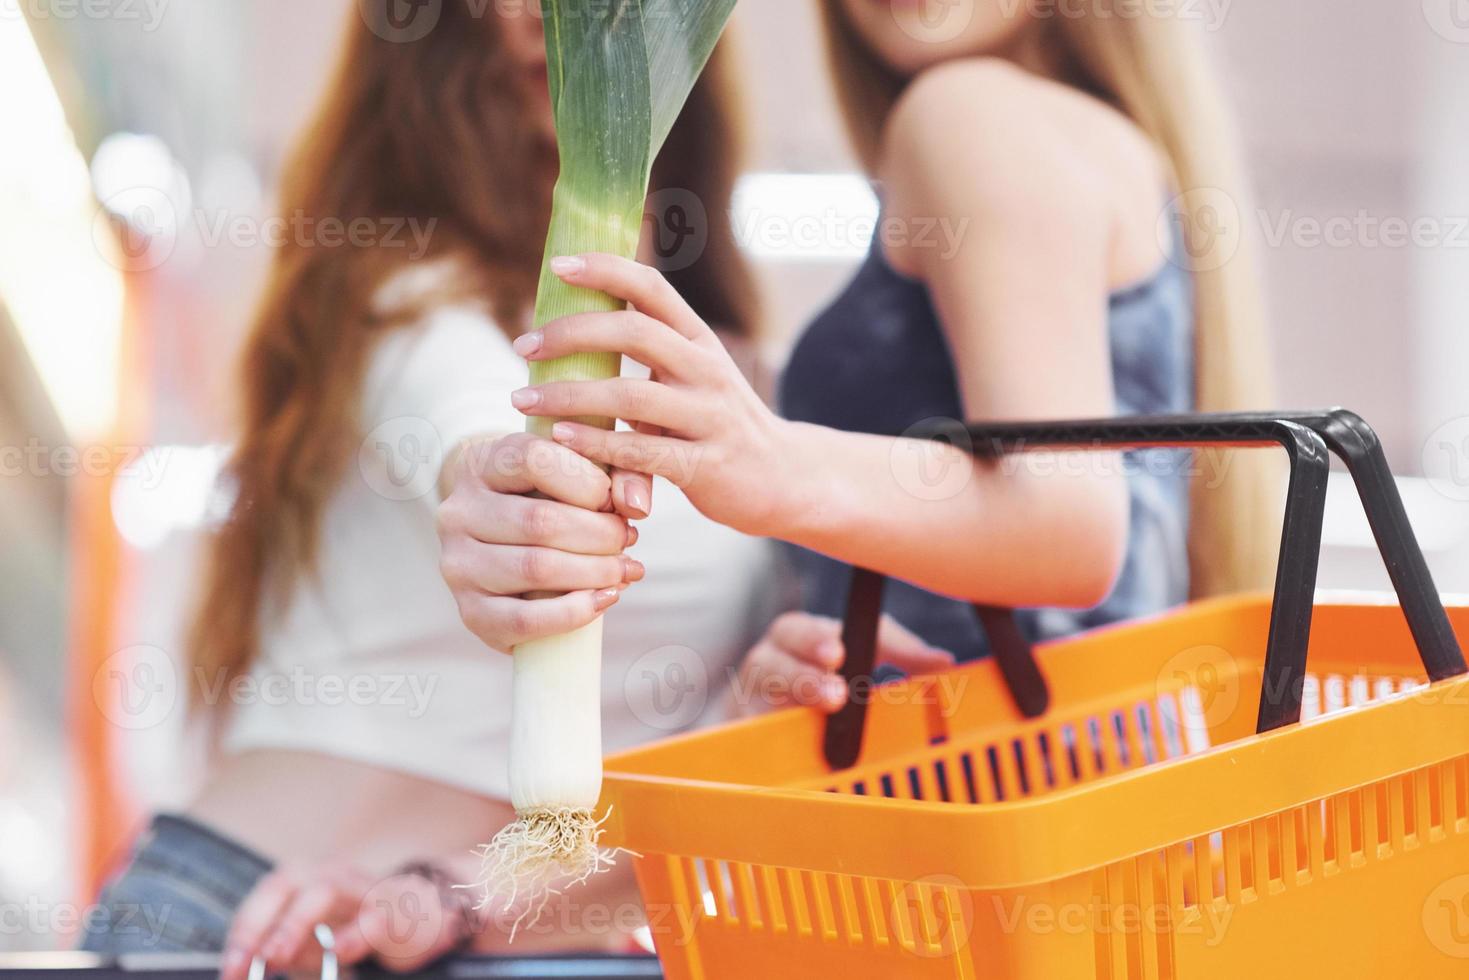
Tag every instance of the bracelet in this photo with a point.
(464, 921)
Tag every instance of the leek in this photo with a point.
(620, 71)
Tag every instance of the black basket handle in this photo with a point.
(1306, 438)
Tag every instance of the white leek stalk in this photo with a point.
(620, 71)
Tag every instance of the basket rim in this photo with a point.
(1045, 838)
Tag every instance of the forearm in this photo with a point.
(1021, 532)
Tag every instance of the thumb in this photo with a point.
(632, 494)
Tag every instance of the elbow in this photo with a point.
(1102, 539)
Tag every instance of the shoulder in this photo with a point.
(440, 346)
(431, 323)
(449, 364)
(986, 139)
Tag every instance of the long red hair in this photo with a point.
(428, 131)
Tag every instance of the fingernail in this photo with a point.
(525, 398)
(635, 498)
(562, 432)
(632, 569)
(632, 536)
(605, 598)
(829, 651)
(233, 961)
(528, 343)
(832, 690)
(568, 265)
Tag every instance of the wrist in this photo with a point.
(462, 917)
(808, 498)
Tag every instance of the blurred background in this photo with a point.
(139, 144)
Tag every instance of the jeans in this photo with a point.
(177, 893)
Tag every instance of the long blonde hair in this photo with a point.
(1154, 70)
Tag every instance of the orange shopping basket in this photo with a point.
(1180, 797)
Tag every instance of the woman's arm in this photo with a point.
(409, 918)
(1027, 535)
(1023, 300)
(1020, 285)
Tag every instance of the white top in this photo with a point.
(369, 660)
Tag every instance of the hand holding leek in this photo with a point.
(619, 73)
(734, 458)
